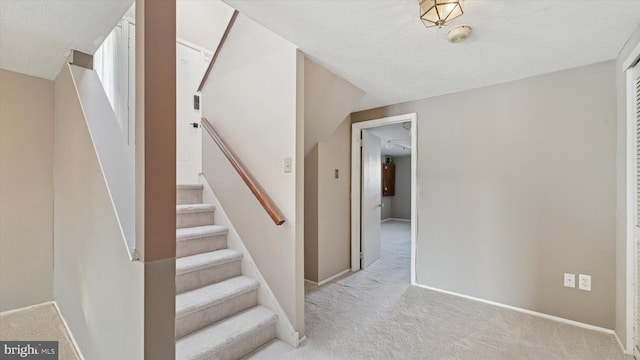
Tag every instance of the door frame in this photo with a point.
(631, 299)
(356, 165)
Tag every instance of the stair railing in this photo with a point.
(232, 20)
(264, 199)
(266, 202)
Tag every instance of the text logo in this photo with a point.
(29, 350)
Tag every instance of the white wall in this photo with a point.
(99, 291)
(252, 100)
(385, 212)
(398, 206)
(202, 22)
(327, 206)
(334, 226)
(114, 154)
(26, 190)
(401, 201)
(516, 185)
(299, 234)
(621, 196)
(311, 196)
(328, 100)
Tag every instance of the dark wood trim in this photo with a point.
(215, 55)
(253, 185)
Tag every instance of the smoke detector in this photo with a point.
(459, 34)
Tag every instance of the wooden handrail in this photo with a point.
(253, 185)
(215, 55)
(248, 179)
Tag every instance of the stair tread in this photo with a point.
(227, 331)
(200, 261)
(189, 186)
(200, 231)
(190, 208)
(210, 295)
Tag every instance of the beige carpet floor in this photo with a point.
(38, 323)
(376, 314)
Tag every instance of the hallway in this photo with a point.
(376, 314)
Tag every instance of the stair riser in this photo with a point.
(206, 276)
(191, 219)
(198, 320)
(188, 196)
(201, 245)
(245, 345)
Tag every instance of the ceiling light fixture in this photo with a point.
(459, 34)
(439, 12)
(395, 142)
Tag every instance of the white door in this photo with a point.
(634, 92)
(371, 198)
(188, 130)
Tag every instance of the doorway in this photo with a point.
(366, 185)
(191, 63)
(191, 66)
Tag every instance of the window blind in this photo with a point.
(636, 86)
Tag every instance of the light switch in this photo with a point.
(287, 165)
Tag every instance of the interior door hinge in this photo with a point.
(361, 255)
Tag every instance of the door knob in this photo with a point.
(195, 125)
(380, 205)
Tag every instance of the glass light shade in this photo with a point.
(439, 12)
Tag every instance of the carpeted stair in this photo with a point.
(217, 315)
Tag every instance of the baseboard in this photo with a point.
(395, 219)
(302, 340)
(328, 280)
(66, 326)
(525, 311)
(624, 350)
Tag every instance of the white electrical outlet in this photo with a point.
(570, 280)
(584, 282)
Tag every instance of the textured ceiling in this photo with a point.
(399, 137)
(382, 47)
(36, 36)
